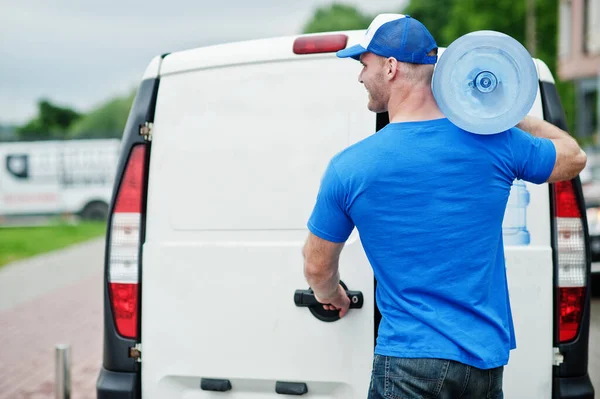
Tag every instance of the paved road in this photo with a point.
(63, 304)
(594, 362)
(30, 278)
(594, 352)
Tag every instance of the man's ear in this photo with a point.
(391, 68)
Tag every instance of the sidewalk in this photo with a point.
(61, 304)
(29, 278)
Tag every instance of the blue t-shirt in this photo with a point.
(428, 200)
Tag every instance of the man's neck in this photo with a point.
(418, 105)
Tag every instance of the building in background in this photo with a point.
(579, 59)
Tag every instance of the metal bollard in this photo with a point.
(62, 387)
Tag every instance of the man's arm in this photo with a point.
(329, 227)
(570, 158)
(321, 266)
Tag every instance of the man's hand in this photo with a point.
(338, 301)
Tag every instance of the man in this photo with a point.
(428, 200)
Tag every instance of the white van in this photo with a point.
(57, 177)
(205, 295)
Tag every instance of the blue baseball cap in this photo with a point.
(398, 36)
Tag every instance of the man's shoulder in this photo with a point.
(352, 156)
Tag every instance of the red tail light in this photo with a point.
(125, 242)
(571, 309)
(129, 199)
(320, 44)
(125, 308)
(566, 201)
(570, 240)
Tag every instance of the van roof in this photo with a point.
(238, 53)
(258, 51)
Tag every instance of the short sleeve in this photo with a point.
(534, 157)
(329, 219)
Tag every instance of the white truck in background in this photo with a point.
(57, 177)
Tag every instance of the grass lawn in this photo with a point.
(22, 242)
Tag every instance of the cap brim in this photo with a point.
(352, 52)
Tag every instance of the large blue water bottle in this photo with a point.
(514, 226)
(485, 82)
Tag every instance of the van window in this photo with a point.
(17, 165)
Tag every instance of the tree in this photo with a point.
(107, 120)
(472, 15)
(434, 15)
(337, 17)
(52, 121)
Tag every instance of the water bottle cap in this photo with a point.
(486, 82)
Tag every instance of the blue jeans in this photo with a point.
(402, 378)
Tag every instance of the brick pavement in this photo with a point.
(70, 314)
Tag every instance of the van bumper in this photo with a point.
(117, 385)
(575, 388)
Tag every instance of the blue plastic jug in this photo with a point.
(485, 82)
(514, 225)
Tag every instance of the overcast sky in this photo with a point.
(79, 53)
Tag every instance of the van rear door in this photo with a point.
(237, 156)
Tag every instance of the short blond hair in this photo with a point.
(418, 73)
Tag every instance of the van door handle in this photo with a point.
(307, 299)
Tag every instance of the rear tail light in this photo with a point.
(320, 44)
(570, 239)
(125, 241)
(571, 308)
